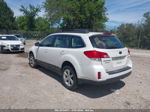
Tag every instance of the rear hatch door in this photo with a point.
(114, 48)
(118, 58)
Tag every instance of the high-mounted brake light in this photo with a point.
(96, 54)
(107, 33)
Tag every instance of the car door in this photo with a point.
(45, 46)
(60, 45)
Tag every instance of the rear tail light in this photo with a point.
(96, 54)
(129, 52)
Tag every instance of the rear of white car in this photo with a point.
(83, 57)
(105, 59)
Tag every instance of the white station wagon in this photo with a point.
(83, 57)
(10, 43)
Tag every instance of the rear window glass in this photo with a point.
(8, 38)
(18, 36)
(106, 42)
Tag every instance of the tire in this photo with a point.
(1, 49)
(69, 78)
(32, 61)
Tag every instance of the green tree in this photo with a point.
(21, 23)
(42, 24)
(7, 19)
(76, 14)
(128, 34)
(136, 35)
(145, 39)
(30, 14)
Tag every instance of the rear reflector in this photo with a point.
(129, 52)
(99, 75)
(96, 54)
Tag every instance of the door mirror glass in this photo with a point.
(37, 44)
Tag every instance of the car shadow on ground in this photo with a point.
(50, 73)
(97, 91)
(91, 91)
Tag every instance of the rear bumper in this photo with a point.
(85, 81)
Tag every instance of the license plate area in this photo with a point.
(118, 63)
(106, 62)
(15, 48)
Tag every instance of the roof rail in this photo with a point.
(78, 31)
(73, 31)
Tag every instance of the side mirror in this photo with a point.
(37, 44)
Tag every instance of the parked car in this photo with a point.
(10, 43)
(21, 38)
(83, 57)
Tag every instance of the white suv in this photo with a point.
(90, 57)
(10, 43)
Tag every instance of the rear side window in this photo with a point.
(77, 42)
(68, 41)
(106, 42)
(62, 41)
